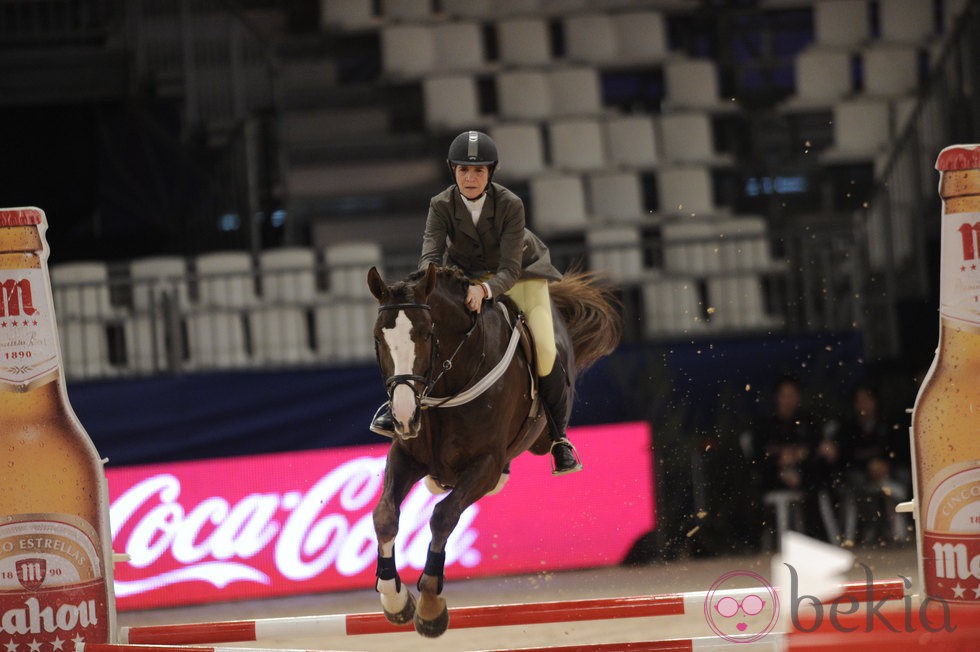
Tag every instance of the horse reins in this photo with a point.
(427, 381)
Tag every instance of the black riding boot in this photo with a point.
(555, 392)
(383, 423)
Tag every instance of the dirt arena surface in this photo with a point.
(656, 578)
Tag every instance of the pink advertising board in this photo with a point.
(289, 523)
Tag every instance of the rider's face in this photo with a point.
(472, 179)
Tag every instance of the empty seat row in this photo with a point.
(564, 202)
(706, 247)
(847, 23)
(337, 331)
(685, 247)
(452, 100)
(639, 141)
(416, 49)
(161, 316)
(825, 75)
(222, 279)
(675, 306)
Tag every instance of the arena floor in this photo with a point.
(658, 578)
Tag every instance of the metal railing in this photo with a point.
(206, 55)
(901, 220)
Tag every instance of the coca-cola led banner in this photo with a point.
(289, 523)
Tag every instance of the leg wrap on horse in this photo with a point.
(387, 570)
(435, 566)
(398, 605)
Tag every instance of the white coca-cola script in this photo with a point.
(308, 531)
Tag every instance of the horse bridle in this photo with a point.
(427, 381)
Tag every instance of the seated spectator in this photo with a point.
(791, 454)
(874, 471)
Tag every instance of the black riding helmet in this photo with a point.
(473, 148)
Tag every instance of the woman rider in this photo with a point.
(478, 226)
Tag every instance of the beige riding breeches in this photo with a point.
(532, 297)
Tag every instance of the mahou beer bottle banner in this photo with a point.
(56, 588)
(52, 589)
(946, 418)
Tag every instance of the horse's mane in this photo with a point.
(449, 279)
(587, 305)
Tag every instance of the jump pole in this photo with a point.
(772, 642)
(125, 647)
(965, 639)
(535, 613)
(846, 632)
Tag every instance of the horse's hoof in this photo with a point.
(405, 615)
(435, 627)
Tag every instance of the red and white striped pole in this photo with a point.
(672, 604)
(128, 647)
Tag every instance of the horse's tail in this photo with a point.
(589, 309)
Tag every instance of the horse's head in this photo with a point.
(404, 343)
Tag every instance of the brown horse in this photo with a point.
(462, 395)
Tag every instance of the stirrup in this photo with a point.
(383, 423)
(572, 469)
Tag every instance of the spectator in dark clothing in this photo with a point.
(874, 471)
(792, 454)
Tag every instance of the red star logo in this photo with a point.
(973, 267)
(25, 322)
(3, 324)
(962, 268)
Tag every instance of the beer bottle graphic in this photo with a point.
(946, 417)
(55, 549)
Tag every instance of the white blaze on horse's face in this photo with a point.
(402, 349)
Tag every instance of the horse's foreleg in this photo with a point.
(401, 473)
(432, 615)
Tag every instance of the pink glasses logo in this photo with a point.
(750, 605)
(741, 607)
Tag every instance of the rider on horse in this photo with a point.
(478, 226)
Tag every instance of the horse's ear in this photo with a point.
(377, 285)
(429, 282)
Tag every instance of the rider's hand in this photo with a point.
(474, 298)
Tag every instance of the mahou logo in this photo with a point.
(46, 620)
(31, 572)
(16, 298)
(970, 234)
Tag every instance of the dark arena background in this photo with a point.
(754, 178)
